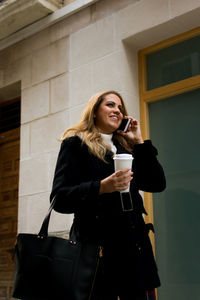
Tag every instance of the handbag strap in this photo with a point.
(45, 225)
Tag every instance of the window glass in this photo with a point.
(174, 129)
(174, 63)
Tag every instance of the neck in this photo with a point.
(106, 133)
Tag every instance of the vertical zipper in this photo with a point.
(100, 255)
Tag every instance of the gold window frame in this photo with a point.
(148, 96)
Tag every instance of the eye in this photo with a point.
(110, 104)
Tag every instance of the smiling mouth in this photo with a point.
(114, 118)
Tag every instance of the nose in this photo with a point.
(117, 110)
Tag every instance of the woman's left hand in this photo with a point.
(133, 134)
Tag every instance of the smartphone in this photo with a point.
(124, 124)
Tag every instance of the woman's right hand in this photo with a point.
(116, 182)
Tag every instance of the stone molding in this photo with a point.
(16, 14)
(45, 22)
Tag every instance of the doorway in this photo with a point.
(9, 177)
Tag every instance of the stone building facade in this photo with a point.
(55, 64)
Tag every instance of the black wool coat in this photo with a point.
(128, 256)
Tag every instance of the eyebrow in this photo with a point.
(111, 101)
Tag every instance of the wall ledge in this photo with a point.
(16, 14)
(45, 22)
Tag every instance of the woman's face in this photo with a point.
(109, 115)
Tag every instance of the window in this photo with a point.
(170, 105)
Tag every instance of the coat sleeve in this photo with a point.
(148, 173)
(69, 187)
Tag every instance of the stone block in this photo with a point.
(52, 166)
(70, 24)
(5, 57)
(11, 91)
(104, 8)
(50, 61)
(46, 132)
(60, 222)
(33, 209)
(35, 102)
(75, 114)
(166, 30)
(37, 209)
(91, 42)
(140, 16)
(25, 141)
(106, 74)
(59, 93)
(34, 175)
(129, 67)
(80, 82)
(113, 72)
(132, 104)
(19, 70)
(22, 214)
(180, 7)
(31, 44)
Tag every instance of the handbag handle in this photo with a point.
(45, 224)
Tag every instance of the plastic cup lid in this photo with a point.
(123, 156)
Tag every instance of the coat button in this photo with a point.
(138, 246)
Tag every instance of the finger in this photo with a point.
(123, 187)
(132, 119)
(125, 181)
(134, 122)
(124, 176)
(121, 132)
(122, 183)
(122, 171)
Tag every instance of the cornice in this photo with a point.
(44, 22)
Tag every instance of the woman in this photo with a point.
(86, 184)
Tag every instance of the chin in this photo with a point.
(113, 129)
(114, 126)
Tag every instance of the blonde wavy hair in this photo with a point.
(87, 130)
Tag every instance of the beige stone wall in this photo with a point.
(66, 2)
(59, 68)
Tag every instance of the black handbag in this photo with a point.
(49, 267)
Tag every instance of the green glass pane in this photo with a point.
(175, 130)
(174, 63)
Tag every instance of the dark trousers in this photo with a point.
(148, 295)
(105, 289)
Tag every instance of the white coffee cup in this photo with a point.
(123, 161)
